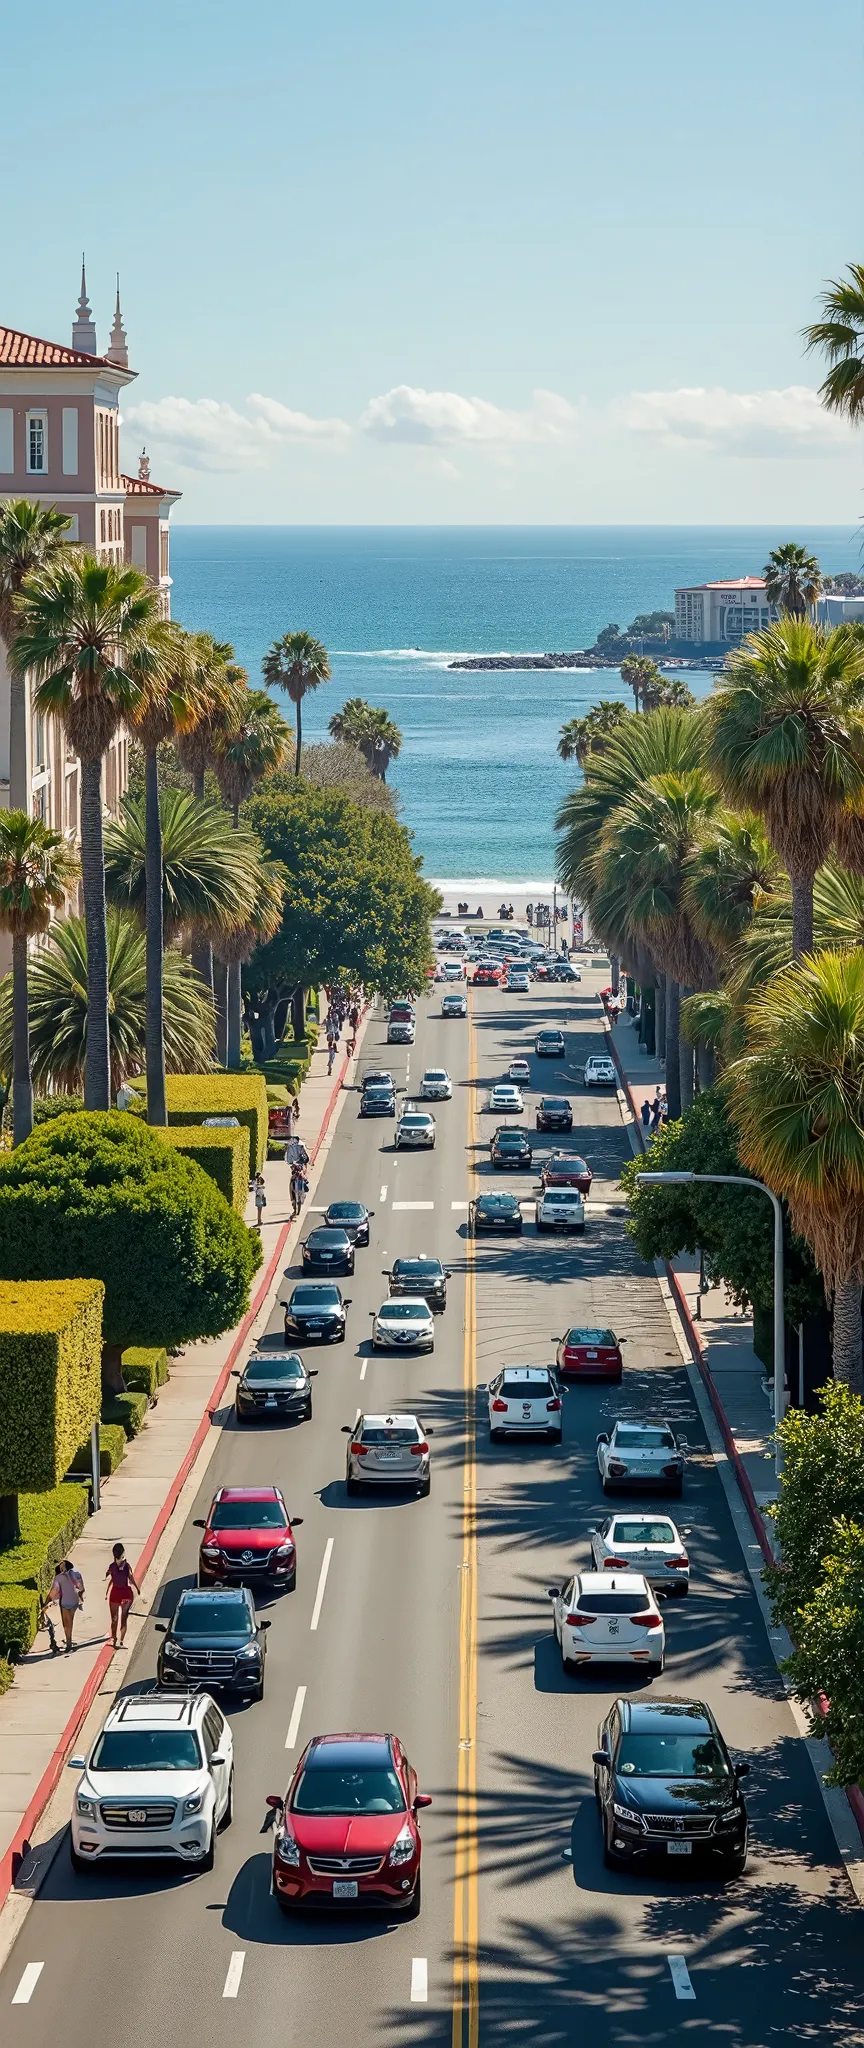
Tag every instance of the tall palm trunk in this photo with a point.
(201, 954)
(802, 913)
(847, 1335)
(220, 1006)
(299, 745)
(614, 972)
(19, 792)
(673, 1036)
(660, 1017)
(22, 1081)
(97, 1064)
(154, 1031)
(234, 1022)
(706, 1065)
(685, 1062)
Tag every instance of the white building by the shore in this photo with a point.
(723, 612)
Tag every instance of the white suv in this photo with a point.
(599, 1072)
(159, 1781)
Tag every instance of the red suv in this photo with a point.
(346, 1833)
(486, 976)
(590, 1354)
(565, 1170)
(248, 1536)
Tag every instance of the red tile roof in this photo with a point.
(137, 487)
(26, 351)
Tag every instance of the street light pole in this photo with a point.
(740, 1180)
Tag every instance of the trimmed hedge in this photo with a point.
(50, 1524)
(145, 1369)
(192, 1097)
(7, 1675)
(20, 1609)
(130, 1410)
(222, 1154)
(112, 1449)
(50, 1377)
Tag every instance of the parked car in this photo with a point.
(159, 1781)
(666, 1787)
(216, 1639)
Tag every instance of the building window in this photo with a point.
(139, 546)
(70, 440)
(163, 550)
(39, 761)
(7, 440)
(37, 443)
(40, 803)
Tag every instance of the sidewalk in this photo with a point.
(42, 1712)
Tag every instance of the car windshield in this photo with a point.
(567, 1198)
(327, 1240)
(435, 1074)
(248, 1514)
(605, 1340)
(417, 1123)
(497, 1202)
(554, 1102)
(275, 1368)
(346, 1212)
(529, 1390)
(566, 1162)
(379, 1090)
(418, 1269)
(146, 1749)
(673, 1756)
(614, 1603)
(633, 1439)
(214, 1617)
(643, 1532)
(391, 1435)
(513, 1139)
(338, 1789)
(315, 1297)
(404, 1311)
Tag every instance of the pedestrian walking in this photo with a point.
(295, 1112)
(299, 1188)
(646, 1114)
(67, 1593)
(331, 1051)
(655, 1112)
(121, 1586)
(260, 1199)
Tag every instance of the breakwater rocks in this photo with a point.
(583, 658)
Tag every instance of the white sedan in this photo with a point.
(436, 1085)
(518, 1070)
(415, 1127)
(506, 1097)
(404, 1324)
(641, 1454)
(600, 1619)
(650, 1544)
(518, 981)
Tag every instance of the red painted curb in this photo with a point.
(19, 1846)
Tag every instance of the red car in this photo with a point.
(248, 1537)
(346, 1833)
(590, 1354)
(487, 976)
(566, 1170)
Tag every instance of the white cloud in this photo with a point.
(743, 423)
(206, 433)
(442, 418)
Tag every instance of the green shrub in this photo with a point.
(130, 1410)
(45, 1107)
(222, 1154)
(50, 1374)
(192, 1097)
(50, 1524)
(103, 1195)
(112, 1448)
(145, 1369)
(20, 1608)
(7, 1675)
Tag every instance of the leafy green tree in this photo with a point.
(793, 579)
(338, 766)
(822, 1486)
(827, 1663)
(32, 538)
(90, 632)
(297, 664)
(652, 626)
(59, 1014)
(37, 867)
(104, 1197)
(840, 336)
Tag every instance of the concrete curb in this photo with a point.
(854, 1793)
(19, 1846)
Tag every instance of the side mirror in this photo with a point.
(265, 1624)
(346, 1431)
(217, 1758)
(385, 1274)
(553, 1339)
(77, 1763)
(235, 1372)
(198, 1524)
(603, 1438)
(373, 1311)
(742, 1770)
(161, 1628)
(553, 1592)
(283, 1304)
(601, 1757)
(296, 1521)
(429, 1432)
(623, 1340)
(273, 1800)
(370, 1212)
(346, 1303)
(448, 1275)
(422, 1799)
(312, 1371)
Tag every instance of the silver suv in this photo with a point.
(388, 1450)
(159, 1781)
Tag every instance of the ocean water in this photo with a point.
(478, 778)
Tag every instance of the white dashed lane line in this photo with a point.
(419, 1981)
(413, 1205)
(322, 1582)
(680, 1977)
(363, 1368)
(383, 1195)
(28, 1984)
(296, 1711)
(235, 1972)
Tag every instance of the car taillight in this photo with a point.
(681, 1563)
(671, 1471)
(359, 1450)
(419, 1450)
(554, 1403)
(616, 1564)
(500, 1407)
(646, 1620)
(579, 1620)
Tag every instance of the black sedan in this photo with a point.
(420, 1276)
(327, 1251)
(315, 1309)
(554, 1113)
(273, 1385)
(549, 1045)
(495, 1212)
(214, 1640)
(666, 1787)
(510, 1147)
(352, 1217)
(378, 1100)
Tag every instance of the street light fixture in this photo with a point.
(740, 1180)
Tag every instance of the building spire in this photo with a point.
(83, 328)
(118, 352)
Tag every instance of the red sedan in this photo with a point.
(567, 1170)
(590, 1354)
(487, 976)
(346, 1830)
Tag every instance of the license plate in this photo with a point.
(346, 1887)
(270, 1401)
(388, 1457)
(314, 1329)
(679, 1848)
(591, 1354)
(325, 1256)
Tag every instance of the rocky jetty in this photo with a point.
(583, 658)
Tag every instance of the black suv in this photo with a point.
(352, 1217)
(420, 1276)
(315, 1308)
(274, 1384)
(510, 1147)
(554, 1113)
(666, 1787)
(379, 1099)
(327, 1251)
(215, 1639)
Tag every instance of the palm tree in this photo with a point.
(371, 729)
(36, 869)
(793, 579)
(60, 1012)
(672, 690)
(221, 691)
(209, 871)
(643, 677)
(798, 1099)
(785, 737)
(298, 664)
(31, 538)
(840, 336)
(732, 872)
(582, 736)
(90, 631)
(764, 949)
(262, 923)
(254, 747)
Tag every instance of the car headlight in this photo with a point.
(193, 1803)
(210, 1551)
(626, 1813)
(86, 1807)
(287, 1847)
(171, 1651)
(285, 1550)
(403, 1847)
(250, 1651)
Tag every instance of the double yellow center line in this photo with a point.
(466, 2007)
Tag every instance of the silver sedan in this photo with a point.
(650, 1544)
(388, 1450)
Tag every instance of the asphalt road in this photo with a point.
(434, 1622)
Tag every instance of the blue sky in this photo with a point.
(500, 259)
